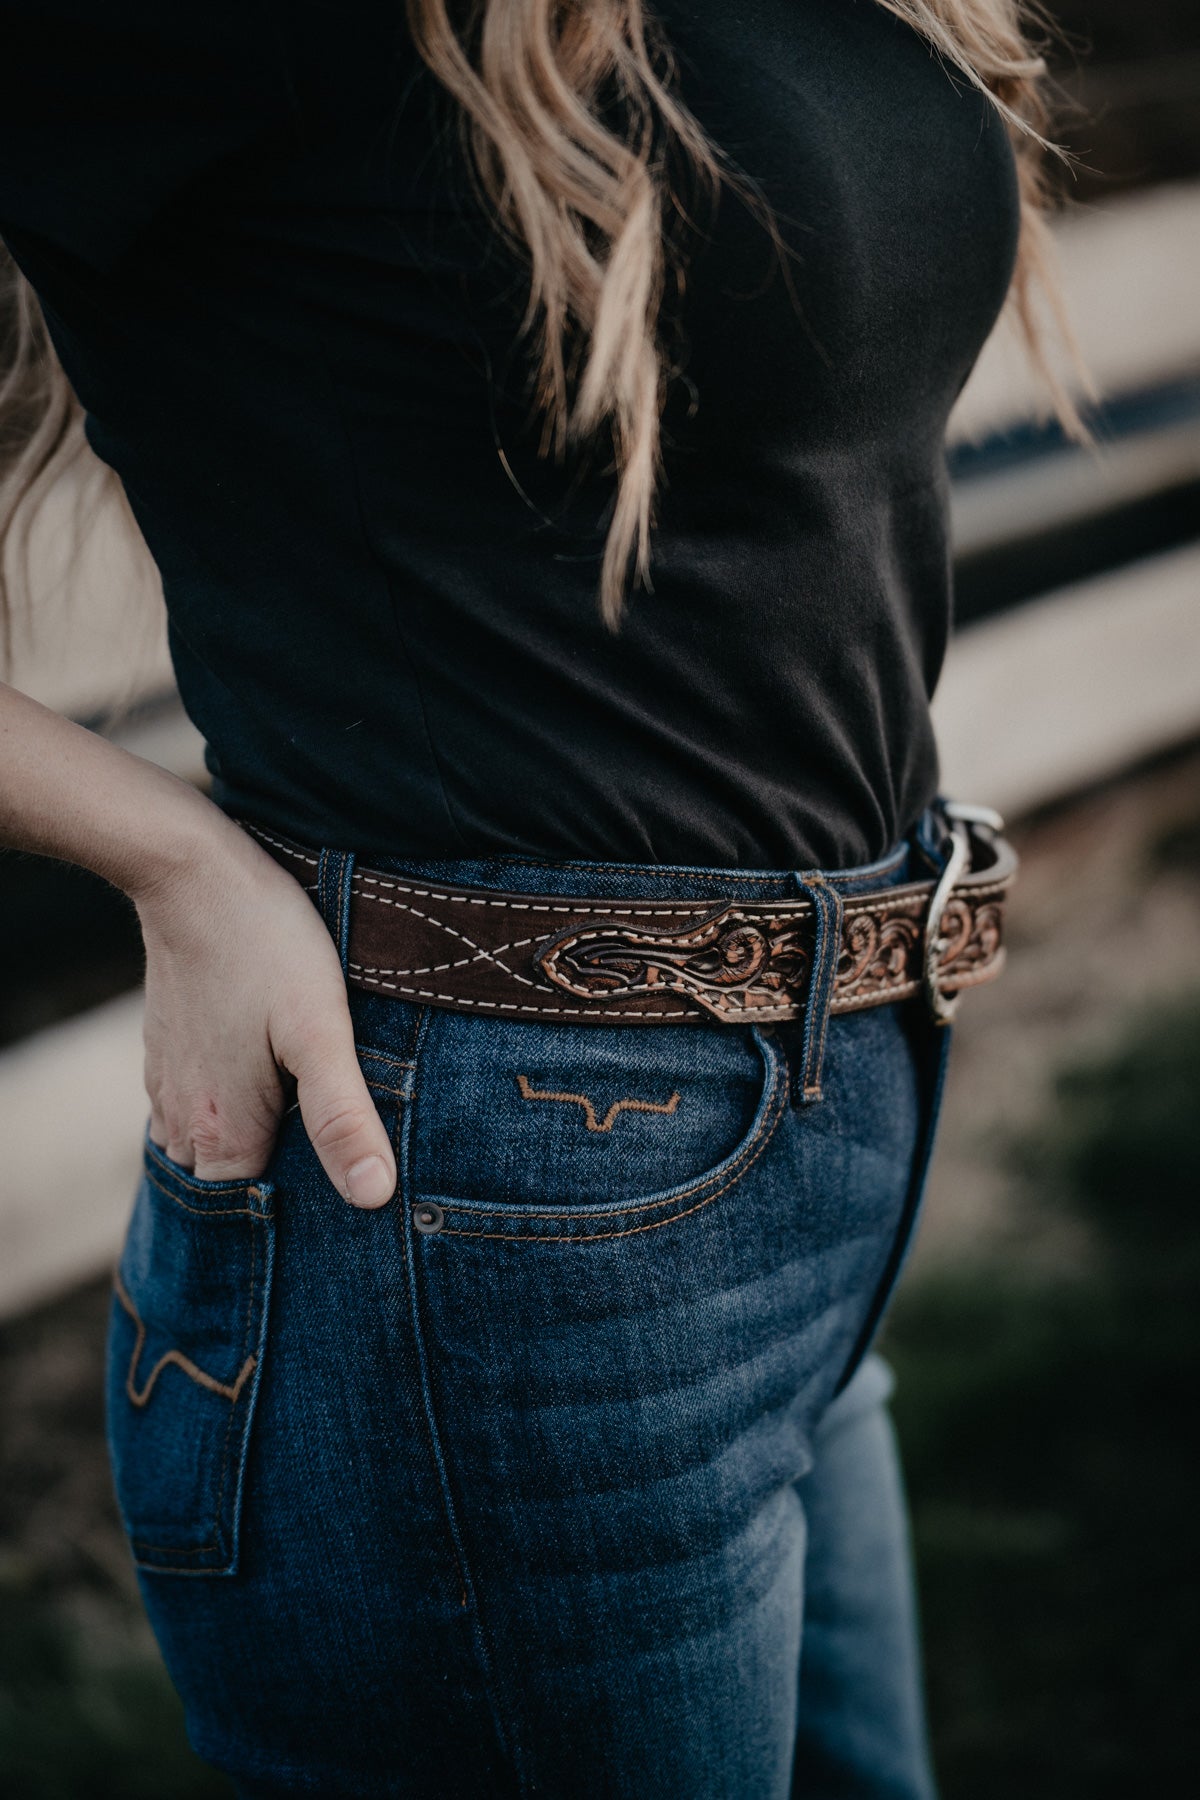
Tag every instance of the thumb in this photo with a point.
(340, 1117)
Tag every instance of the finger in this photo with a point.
(219, 1137)
(232, 1145)
(339, 1115)
(158, 1128)
(239, 1159)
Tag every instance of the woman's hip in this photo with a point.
(546, 1409)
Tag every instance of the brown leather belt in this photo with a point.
(668, 961)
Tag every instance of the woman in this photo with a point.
(535, 411)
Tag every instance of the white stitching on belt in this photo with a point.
(481, 954)
(628, 912)
(463, 962)
(296, 855)
(574, 1012)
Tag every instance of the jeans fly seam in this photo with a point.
(470, 1596)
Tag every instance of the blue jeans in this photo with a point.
(568, 1473)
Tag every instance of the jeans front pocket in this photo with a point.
(572, 1133)
(185, 1347)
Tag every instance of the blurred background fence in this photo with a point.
(1045, 1333)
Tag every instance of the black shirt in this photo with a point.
(293, 328)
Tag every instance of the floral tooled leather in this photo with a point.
(726, 960)
(730, 962)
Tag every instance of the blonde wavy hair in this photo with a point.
(592, 211)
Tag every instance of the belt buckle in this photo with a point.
(961, 816)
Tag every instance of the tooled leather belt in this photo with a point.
(660, 961)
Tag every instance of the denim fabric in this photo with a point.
(568, 1473)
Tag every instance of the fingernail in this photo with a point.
(368, 1182)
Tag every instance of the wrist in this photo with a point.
(188, 837)
(71, 794)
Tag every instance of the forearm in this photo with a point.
(68, 793)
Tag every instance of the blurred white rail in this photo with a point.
(1069, 689)
(73, 1107)
(1131, 274)
(1071, 487)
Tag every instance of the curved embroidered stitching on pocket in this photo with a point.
(150, 1553)
(582, 1211)
(228, 1390)
(769, 1126)
(667, 1107)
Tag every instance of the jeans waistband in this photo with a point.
(579, 878)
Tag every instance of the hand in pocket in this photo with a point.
(246, 1002)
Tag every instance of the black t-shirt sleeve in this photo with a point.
(108, 108)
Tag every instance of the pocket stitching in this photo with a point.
(193, 1182)
(217, 1544)
(768, 1125)
(218, 1532)
(397, 1062)
(213, 1212)
(228, 1390)
(378, 1087)
(584, 1212)
(172, 1550)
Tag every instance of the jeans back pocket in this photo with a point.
(185, 1348)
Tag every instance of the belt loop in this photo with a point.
(335, 871)
(826, 903)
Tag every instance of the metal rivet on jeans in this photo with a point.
(428, 1216)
